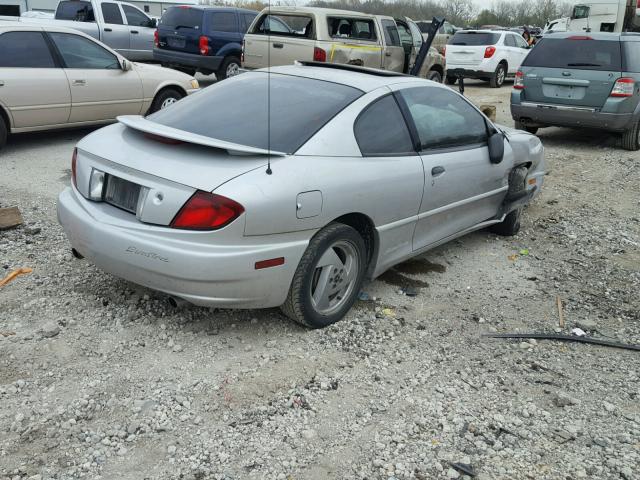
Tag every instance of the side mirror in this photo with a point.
(496, 147)
(153, 23)
(125, 65)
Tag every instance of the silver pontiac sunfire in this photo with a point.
(290, 187)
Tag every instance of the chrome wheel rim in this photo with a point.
(233, 69)
(500, 76)
(167, 102)
(334, 277)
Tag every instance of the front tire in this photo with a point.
(498, 77)
(230, 68)
(526, 128)
(434, 76)
(165, 98)
(328, 278)
(510, 225)
(631, 137)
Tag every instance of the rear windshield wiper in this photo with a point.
(583, 65)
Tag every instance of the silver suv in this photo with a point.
(581, 80)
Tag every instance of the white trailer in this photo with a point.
(598, 16)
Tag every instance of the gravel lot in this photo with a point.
(100, 378)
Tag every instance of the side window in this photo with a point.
(405, 35)
(111, 13)
(248, 20)
(357, 29)
(224, 22)
(520, 42)
(135, 17)
(510, 40)
(443, 118)
(381, 131)
(285, 25)
(25, 50)
(76, 11)
(391, 35)
(80, 52)
(417, 36)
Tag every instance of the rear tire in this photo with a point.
(526, 128)
(631, 137)
(498, 77)
(451, 80)
(230, 68)
(328, 278)
(510, 225)
(434, 76)
(166, 97)
(3, 133)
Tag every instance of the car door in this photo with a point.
(114, 32)
(388, 152)
(100, 89)
(33, 88)
(394, 55)
(462, 188)
(141, 33)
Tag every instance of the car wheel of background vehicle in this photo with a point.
(510, 225)
(631, 137)
(328, 277)
(526, 128)
(498, 77)
(434, 76)
(3, 132)
(164, 99)
(451, 80)
(230, 68)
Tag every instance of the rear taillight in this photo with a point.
(319, 55)
(489, 51)
(203, 45)
(207, 211)
(74, 159)
(623, 87)
(156, 39)
(518, 82)
(242, 50)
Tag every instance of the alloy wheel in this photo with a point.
(167, 102)
(334, 277)
(233, 69)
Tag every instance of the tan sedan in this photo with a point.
(58, 78)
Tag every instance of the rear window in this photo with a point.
(285, 25)
(578, 54)
(283, 111)
(631, 56)
(474, 38)
(76, 11)
(182, 17)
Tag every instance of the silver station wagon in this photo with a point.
(289, 187)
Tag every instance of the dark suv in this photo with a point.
(581, 80)
(203, 39)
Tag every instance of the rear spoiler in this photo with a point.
(141, 124)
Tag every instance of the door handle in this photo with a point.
(79, 83)
(135, 32)
(278, 45)
(387, 54)
(108, 30)
(1, 83)
(435, 171)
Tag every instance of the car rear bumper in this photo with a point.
(182, 59)
(182, 263)
(542, 114)
(467, 72)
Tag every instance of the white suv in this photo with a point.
(485, 54)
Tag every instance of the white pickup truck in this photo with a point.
(121, 26)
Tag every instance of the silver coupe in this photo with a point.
(289, 187)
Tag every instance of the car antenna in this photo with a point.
(268, 19)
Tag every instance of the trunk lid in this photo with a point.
(468, 47)
(574, 71)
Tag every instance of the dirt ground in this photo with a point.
(100, 378)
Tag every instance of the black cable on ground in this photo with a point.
(565, 338)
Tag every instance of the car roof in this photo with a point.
(481, 30)
(11, 26)
(214, 8)
(593, 35)
(320, 10)
(363, 79)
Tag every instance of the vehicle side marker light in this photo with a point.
(272, 262)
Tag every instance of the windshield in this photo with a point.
(579, 54)
(474, 38)
(240, 110)
(182, 17)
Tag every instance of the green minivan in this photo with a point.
(586, 79)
